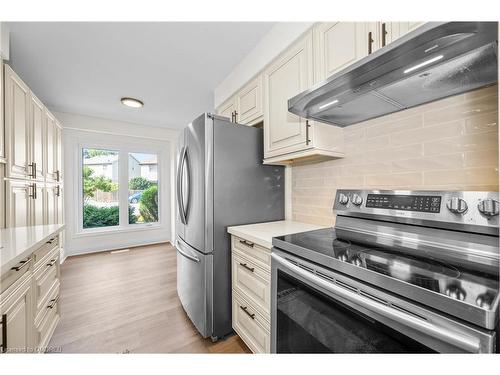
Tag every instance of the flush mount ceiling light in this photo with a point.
(131, 102)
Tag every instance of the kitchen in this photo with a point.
(339, 193)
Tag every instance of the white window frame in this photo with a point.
(123, 149)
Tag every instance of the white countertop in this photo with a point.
(263, 233)
(18, 243)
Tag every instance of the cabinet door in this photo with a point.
(17, 314)
(38, 204)
(249, 102)
(59, 204)
(338, 45)
(19, 195)
(37, 130)
(2, 123)
(227, 109)
(286, 77)
(395, 30)
(17, 103)
(58, 151)
(51, 146)
(51, 198)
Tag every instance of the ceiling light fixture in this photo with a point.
(424, 63)
(328, 104)
(131, 102)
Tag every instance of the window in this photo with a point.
(100, 188)
(120, 188)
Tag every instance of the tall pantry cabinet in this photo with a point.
(32, 156)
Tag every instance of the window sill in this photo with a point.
(116, 230)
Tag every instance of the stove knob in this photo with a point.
(484, 300)
(343, 199)
(457, 205)
(455, 292)
(357, 261)
(357, 200)
(488, 207)
(343, 256)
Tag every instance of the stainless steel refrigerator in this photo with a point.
(220, 182)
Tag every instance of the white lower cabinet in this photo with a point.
(250, 325)
(16, 310)
(251, 288)
(29, 301)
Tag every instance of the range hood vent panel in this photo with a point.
(466, 56)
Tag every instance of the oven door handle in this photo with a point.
(464, 342)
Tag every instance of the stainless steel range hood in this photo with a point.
(433, 62)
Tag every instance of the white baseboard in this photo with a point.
(97, 250)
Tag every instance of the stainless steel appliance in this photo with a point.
(220, 182)
(437, 60)
(401, 271)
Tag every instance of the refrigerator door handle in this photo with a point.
(185, 254)
(187, 165)
(180, 198)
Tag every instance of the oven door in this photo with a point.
(315, 310)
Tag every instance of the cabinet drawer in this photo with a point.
(9, 278)
(45, 278)
(258, 254)
(250, 325)
(39, 254)
(45, 328)
(252, 282)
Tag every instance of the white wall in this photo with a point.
(271, 45)
(81, 130)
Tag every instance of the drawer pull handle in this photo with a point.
(245, 309)
(52, 262)
(51, 240)
(23, 264)
(246, 243)
(54, 301)
(244, 265)
(4, 334)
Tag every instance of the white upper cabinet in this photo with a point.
(51, 140)
(38, 207)
(17, 125)
(52, 194)
(19, 195)
(249, 103)
(2, 123)
(338, 45)
(286, 77)
(37, 130)
(228, 109)
(58, 152)
(394, 30)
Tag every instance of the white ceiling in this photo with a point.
(86, 68)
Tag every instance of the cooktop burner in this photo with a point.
(422, 272)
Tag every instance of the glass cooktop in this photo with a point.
(457, 283)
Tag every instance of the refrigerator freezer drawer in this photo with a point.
(194, 285)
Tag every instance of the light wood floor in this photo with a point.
(127, 303)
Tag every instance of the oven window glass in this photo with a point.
(311, 322)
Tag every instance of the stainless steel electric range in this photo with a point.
(401, 271)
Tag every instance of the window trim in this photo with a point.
(123, 150)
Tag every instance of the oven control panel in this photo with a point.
(420, 203)
(459, 210)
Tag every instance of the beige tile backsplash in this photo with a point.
(451, 144)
